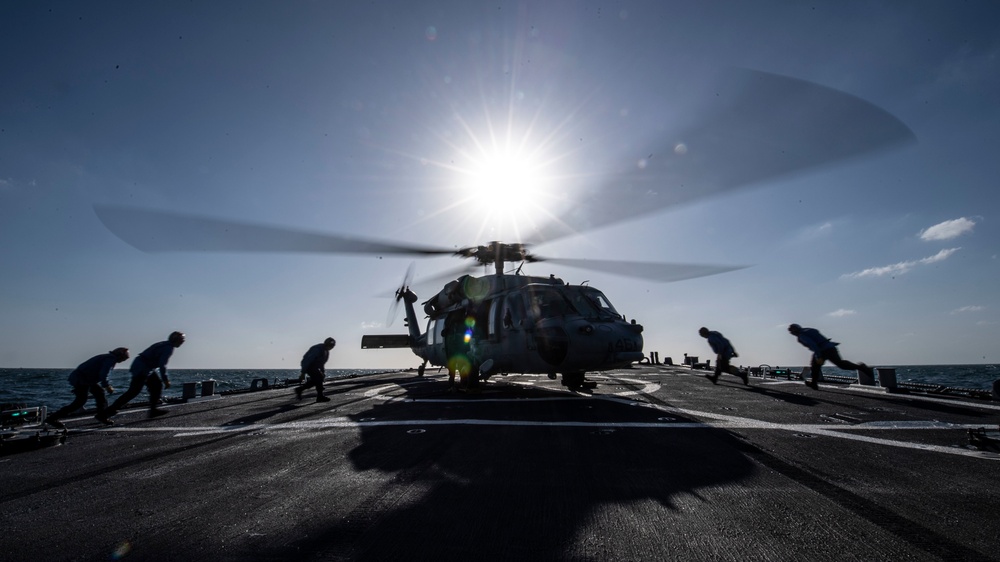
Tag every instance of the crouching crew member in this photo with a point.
(724, 351)
(314, 366)
(823, 350)
(150, 370)
(91, 377)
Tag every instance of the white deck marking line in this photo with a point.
(722, 422)
(818, 429)
(880, 391)
(734, 423)
(481, 400)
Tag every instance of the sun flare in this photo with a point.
(505, 185)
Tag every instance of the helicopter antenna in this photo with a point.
(585, 282)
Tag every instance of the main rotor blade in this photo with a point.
(764, 126)
(445, 276)
(433, 282)
(663, 272)
(160, 231)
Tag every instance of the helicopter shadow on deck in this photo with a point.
(261, 416)
(789, 397)
(512, 487)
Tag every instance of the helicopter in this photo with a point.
(764, 126)
(478, 326)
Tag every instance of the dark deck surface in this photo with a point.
(656, 464)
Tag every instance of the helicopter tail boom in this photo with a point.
(385, 341)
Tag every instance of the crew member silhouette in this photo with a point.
(724, 351)
(149, 369)
(91, 377)
(823, 350)
(314, 365)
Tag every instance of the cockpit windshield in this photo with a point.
(556, 301)
(591, 303)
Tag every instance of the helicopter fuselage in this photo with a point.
(521, 324)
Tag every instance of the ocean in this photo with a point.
(48, 387)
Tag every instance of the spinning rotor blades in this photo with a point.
(763, 126)
(655, 271)
(159, 231)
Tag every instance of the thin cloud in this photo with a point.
(813, 232)
(948, 229)
(974, 308)
(901, 267)
(841, 312)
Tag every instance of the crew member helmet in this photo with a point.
(330, 342)
(794, 328)
(703, 332)
(176, 338)
(120, 353)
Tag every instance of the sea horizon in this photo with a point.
(37, 386)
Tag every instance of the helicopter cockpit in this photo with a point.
(591, 303)
(551, 301)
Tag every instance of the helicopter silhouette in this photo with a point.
(762, 126)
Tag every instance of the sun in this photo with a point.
(501, 182)
(508, 191)
(504, 184)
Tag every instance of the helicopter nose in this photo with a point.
(604, 346)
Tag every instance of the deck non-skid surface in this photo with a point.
(656, 464)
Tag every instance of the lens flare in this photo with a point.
(121, 551)
(460, 364)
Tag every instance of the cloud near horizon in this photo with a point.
(841, 312)
(948, 229)
(974, 308)
(901, 267)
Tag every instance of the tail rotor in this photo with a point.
(403, 288)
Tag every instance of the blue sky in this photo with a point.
(378, 120)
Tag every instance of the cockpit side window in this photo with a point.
(494, 322)
(549, 302)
